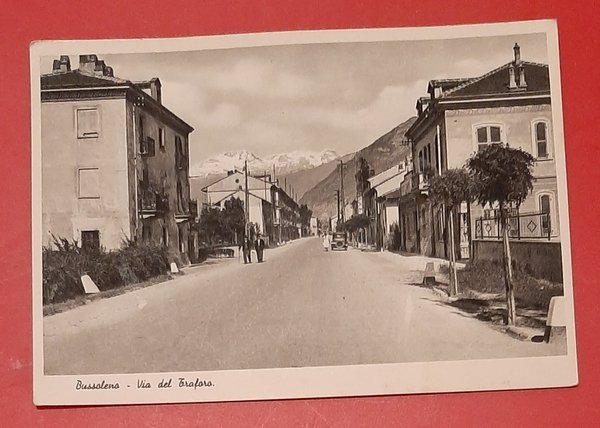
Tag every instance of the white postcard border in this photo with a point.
(280, 383)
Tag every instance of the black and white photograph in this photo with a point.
(300, 214)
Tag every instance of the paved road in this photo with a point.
(301, 307)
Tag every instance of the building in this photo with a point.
(270, 207)
(314, 226)
(259, 197)
(510, 104)
(115, 161)
(382, 202)
(286, 216)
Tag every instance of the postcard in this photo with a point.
(300, 214)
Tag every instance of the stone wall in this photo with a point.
(542, 258)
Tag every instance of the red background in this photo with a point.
(579, 37)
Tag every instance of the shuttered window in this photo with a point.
(89, 183)
(88, 123)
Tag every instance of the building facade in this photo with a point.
(115, 161)
(511, 104)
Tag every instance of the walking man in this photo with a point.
(260, 247)
(247, 250)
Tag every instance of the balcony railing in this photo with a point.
(152, 202)
(520, 226)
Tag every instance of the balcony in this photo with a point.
(151, 202)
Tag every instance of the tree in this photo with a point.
(211, 223)
(233, 219)
(305, 216)
(503, 176)
(451, 188)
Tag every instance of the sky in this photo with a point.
(339, 96)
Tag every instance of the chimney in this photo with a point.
(61, 65)
(522, 82)
(100, 68)
(512, 81)
(155, 89)
(87, 63)
(517, 50)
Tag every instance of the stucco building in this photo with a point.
(114, 161)
(510, 104)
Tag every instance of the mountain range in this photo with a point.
(284, 163)
(385, 152)
(314, 176)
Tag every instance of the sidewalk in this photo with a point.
(487, 307)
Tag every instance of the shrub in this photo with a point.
(63, 267)
(488, 277)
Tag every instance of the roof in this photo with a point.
(238, 173)
(386, 175)
(447, 84)
(490, 87)
(77, 79)
(496, 81)
(53, 83)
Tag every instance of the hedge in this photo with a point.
(63, 266)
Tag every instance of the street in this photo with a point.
(301, 307)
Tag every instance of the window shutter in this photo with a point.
(88, 123)
(89, 183)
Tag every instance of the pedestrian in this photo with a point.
(247, 250)
(326, 242)
(259, 245)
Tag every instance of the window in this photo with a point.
(88, 123)
(489, 134)
(439, 231)
(161, 138)
(179, 197)
(421, 165)
(436, 154)
(547, 214)
(142, 128)
(89, 183)
(181, 241)
(146, 233)
(428, 156)
(90, 240)
(540, 140)
(165, 236)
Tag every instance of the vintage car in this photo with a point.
(338, 241)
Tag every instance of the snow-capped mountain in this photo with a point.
(285, 163)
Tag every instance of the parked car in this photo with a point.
(338, 241)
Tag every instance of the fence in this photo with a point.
(520, 226)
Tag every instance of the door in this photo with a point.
(463, 226)
(418, 231)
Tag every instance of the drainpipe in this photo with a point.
(439, 157)
(135, 179)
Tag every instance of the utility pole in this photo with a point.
(342, 189)
(338, 205)
(246, 198)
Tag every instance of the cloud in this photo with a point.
(256, 78)
(224, 115)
